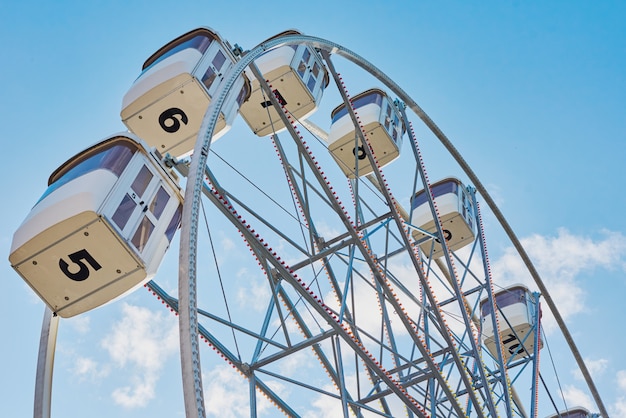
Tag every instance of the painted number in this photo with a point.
(170, 119)
(515, 348)
(79, 258)
(359, 152)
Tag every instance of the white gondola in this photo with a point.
(167, 102)
(577, 412)
(297, 77)
(101, 228)
(383, 125)
(456, 212)
(517, 320)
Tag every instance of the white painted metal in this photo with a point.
(45, 365)
(381, 124)
(297, 75)
(166, 103)
(98, 232)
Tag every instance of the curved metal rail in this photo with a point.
(190, 358)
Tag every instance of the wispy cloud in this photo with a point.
(89, 369)
(324, 406)
(254, 291)
(560, 260)
(619, 407)
(139, 343)
(596, 368)
(80, 323)
(574, 397)
(226, 394)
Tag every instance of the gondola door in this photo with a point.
(135, 207)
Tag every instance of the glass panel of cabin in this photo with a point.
(301, 69)
(372, 97)
(219, 60)
(174, 223)
(304, 63)
(438, 190)
(159, 202)
(506, 298)
(124, 211)
(516, 295)
(243, 94)
(315, 70)
(142, 235)
(115, 158)
(141, 181)
(200, 42)
(311, 83)
(388, 116)
(209, 77)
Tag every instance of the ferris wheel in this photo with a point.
(317, 258)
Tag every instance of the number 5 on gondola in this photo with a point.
(100, 229)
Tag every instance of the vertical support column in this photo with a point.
(504, 379)
(537, 340)
(45, 365)
(342, 389)
(252, 383)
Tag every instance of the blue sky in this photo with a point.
(531, 93)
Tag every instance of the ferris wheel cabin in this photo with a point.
(382, 125)
(456, 213)
(577, 412)
(167, 102)
(296, 76)
(517, 321)
(100, 229)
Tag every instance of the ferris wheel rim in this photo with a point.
(192, 384)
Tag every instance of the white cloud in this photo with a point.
(325, 406)
(574, 397)
(80, 323)
(88, 368)
(141, 392)
(596, 368)
(325, 230)
(298, 363)
(619, 407)
(328, 406)
(253, 291)
(227, 245)
(226, 394)
(367, 310)
(621, 380)
(559, 261)
(139, 343)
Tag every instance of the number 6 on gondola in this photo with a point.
(167, 102)
(100, 229)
